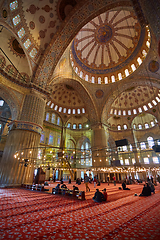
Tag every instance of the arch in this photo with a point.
(121, 86)
(85, 12)
(7, 27)
(90, 106)
(12, 100)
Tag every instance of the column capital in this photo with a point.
(24, 125)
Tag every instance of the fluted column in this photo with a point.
(98, 146)
(20, 152)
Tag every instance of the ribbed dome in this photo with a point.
(108, 44)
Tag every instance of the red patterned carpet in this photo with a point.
(26, 214)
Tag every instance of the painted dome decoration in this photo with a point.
(110, 47)
(135, 100)
(66, 99)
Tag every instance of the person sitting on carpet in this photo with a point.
(98, 197)
(124, 186)
(75, 189)
(151, 186)
(57, 188)
(146, 190)
(64, 186)
(104, 194)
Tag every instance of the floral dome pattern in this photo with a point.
(110, 47)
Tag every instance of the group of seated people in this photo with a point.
(63, 186)
(99, 196)
(148, 189)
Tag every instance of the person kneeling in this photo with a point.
(98, 197)
(124, 186)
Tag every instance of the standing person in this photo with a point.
(69, 181)
(151, 179)
(108, 179)
(114, 180)
(95, 181)
(86, 181)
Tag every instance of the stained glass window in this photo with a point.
(47, 116)
(53, 118)
(50, 139)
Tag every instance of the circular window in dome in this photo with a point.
(110, 47)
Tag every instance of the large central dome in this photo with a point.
(109, 47)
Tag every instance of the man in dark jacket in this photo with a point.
(98, 197)
(124, 186)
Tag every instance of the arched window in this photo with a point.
(150, 105)
(113, 78)
(143, 145)
(47, 116)
(42, 137)
(126, 161)
(144, 53)
(125, 148)
(145, 108)
(53, 120)
(120, 76)
(152, 124)
(93, 79)
(134, 111)
(99, 80)
(139, 60)
(125, 126)
(130, 146)
(150, 141)
(86, 148)
(140, 109)
(134, 126)
(133, 67)
(68, 125)
(80, 126)
(126, 72)
(81, 74)
(50, 142)
(58, 140)
(129, 112)
(119, 112)
(146, 125)
(106, 80)
(119, 127)
(58, 121)
(74, 126)
(140, 126)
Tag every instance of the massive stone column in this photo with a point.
(20, 152)
(98, 146)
